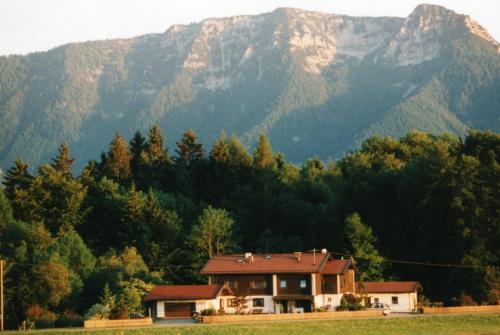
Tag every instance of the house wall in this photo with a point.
(322, 301)
(407, 302)
(347, 282)
(268, 304)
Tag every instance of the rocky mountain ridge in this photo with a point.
(316, 83)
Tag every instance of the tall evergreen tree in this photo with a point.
(156, 152)
(63, 162)
(137, 146)
(238, 152)
(220, 150)
(117, 165)
(263, 154)
(16, 177)
(369, 262)
(189, 149)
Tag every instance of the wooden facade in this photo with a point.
(246, 284)
(295, 284)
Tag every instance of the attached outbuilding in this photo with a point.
(400, 296)
(181, 301)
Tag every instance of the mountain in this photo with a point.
(316, 83)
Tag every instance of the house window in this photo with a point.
(221, 302)
(329, 299)
(230, 303)
(258, 284)
(232, 283)
(259, 302)
(394, 300)
(282, 283)
(303, 283)
(375, 300)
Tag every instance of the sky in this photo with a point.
(38, 25)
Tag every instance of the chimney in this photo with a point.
(249, 257)
(297, 255)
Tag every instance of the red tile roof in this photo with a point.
(389, 287)
(183, 292)
(336, 266)
(265, 263)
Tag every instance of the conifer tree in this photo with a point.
(137, 146)
(263, 154)
(155, 146)
(63, 162)
(189, 149)
(369, 262)
(220, 150)
(16, 177)
(238, 152)
(117, 165)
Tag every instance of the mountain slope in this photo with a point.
(316, 83)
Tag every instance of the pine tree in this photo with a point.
(189, 150)
(238, 152)
(117, 165)
(369, 262)
(63, 162)
(137, 146)
(155, 146)
(16, 177)
(263, 154)
(220, 150)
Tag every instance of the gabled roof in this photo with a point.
(183, 292)
(389, 287)
(265, 263)
(337, 266)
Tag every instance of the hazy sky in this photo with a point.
(36, 25)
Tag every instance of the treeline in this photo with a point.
(142, 215)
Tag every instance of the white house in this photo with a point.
(277, 283)
(400, 296)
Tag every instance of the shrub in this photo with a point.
(46, 320)
(119, 313)
(352, 302)
(98, 312)
(69, 319)
(208, 312)
(466, 300)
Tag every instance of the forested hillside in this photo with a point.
(315, 83)
(145, 214)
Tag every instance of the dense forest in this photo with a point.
(420, 208)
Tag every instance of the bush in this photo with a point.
(47, 319)
(69, 319)
(342, 308)
(119, 313)
(208, 312)
(466, 300)
(98, 312)
(352, 302)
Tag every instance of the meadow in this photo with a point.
(456, 324)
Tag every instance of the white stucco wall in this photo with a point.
(160, 309)
(321, 300)
(406, 301)
(268, 304)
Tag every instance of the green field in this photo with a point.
(457, 324)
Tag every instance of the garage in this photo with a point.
(179, 309)
(181, 301)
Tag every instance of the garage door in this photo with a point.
(178, 310)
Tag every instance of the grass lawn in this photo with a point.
(456, 324)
